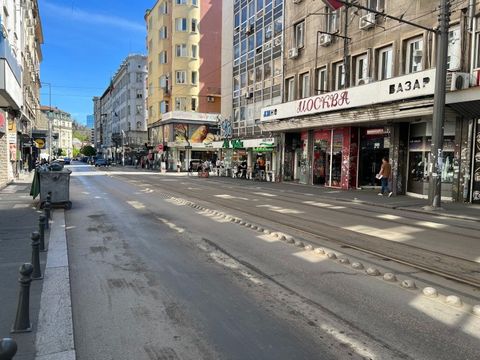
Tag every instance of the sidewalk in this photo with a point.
(367, 196)
(18, 218)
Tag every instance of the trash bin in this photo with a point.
(57, 183)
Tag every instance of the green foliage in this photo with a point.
(76, 152)
(88, 150)
(59, 152)
(80, 135)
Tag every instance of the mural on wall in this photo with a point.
(180, 133)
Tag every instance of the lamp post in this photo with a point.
(123, 148)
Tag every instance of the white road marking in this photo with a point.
(316, 203)
(397, 233)
(136, 204)
(280, 209)
(226, 196)
(172, 225)
(431, 225)
(20, 206)
(265, 194)
(85, 192)
(310, 256)
(389, 217)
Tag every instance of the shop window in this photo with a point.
(414, 55)
(454, 48)
(385, 63)
(360, 69)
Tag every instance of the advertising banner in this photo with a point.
(476, 167)
(3, 122)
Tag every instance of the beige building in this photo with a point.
(359, 86)
(60, 130)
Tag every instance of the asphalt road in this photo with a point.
(152, 278)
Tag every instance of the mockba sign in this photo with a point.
(399, 88)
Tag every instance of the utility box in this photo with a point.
(57, 183)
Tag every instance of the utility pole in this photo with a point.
(346, 62)
(436, 161)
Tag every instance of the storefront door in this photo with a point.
(374, 145)
(476, 166)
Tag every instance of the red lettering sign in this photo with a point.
(323, 102)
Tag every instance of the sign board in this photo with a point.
(333, 4)
(399, 88)
(39, 143)
(3, 122)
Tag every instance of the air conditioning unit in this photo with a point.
(365, 81)
(367, 21)
(293, 53)
(325, 39)
(248, 95)
(458, 81)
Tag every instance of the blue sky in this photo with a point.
(84, 43)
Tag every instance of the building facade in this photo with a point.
(20, 57)
(90, 121)
(183, 41)
(120, 114)
(252, 70)
(358, 90)
(59, 135)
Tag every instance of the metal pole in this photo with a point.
(436, 164)
(346, 63)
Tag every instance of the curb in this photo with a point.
(54, 340)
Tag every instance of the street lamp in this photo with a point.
(123, 148)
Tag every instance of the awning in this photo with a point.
(465, 102)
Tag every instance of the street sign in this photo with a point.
(188, 146)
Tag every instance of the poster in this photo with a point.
(476, 167)
(180, 133)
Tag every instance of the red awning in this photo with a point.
(333, 4)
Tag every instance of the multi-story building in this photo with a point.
(20, 57)
(59, 134)
(120, 113)
(90, 121)
(252, 68)
(360, 90)
(183, 41)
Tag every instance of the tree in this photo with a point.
(88, 150)
(59, 152)
(76, 152)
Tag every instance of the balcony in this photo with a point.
(10, 77)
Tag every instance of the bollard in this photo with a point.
(47, 208)
(22, 319)
(37, 271)
(41, 231)
(8, 349)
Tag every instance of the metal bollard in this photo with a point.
(22, 319)
(41, 231)
(47, 207)
(37, 271)
(8, 348)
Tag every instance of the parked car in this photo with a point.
(101, 162)
(66, 160)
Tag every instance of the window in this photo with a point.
(331, 21)
(180, 104)
(194, 104)
(181, 50)
(139, 93)
(181, 24)
(454, 48)
(163, 8)
(377, 5)
(304, 85)
(290, 89)
(163, 107)
(339, 76)
(139, 77)
(194, 2)
(299, 30)
(194, 25)
(477, 43)
(139, 109)
(162, 33)
(162, 57)
(194, 51)
(194, 77)
(414, 55)
(360, 70)
(181, 2)
(385, 63)
(321, 80)
(181, 77)
(162, 82)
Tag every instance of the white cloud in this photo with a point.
(76, 14)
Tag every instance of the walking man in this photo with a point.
(384, 176)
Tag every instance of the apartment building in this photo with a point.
(59, 135)
(20, 57)
(120, 113)
(183, 41)
(359, 86)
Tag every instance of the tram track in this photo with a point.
(447, 266)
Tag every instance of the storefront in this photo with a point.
(374, 146)
(475, 183)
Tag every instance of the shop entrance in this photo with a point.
(374, 146)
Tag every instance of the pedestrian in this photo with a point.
(384, 176)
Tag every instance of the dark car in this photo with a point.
(67, 160)
(101, 162)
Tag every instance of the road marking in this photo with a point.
(172, 225)
(226, 196)
(397, 233)
(310, 256)
(20, 206)
(316, 203)
(280, 209)
(265, 194)
(136, 204)
(389, 217)
(430, 224)
(85, 192)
